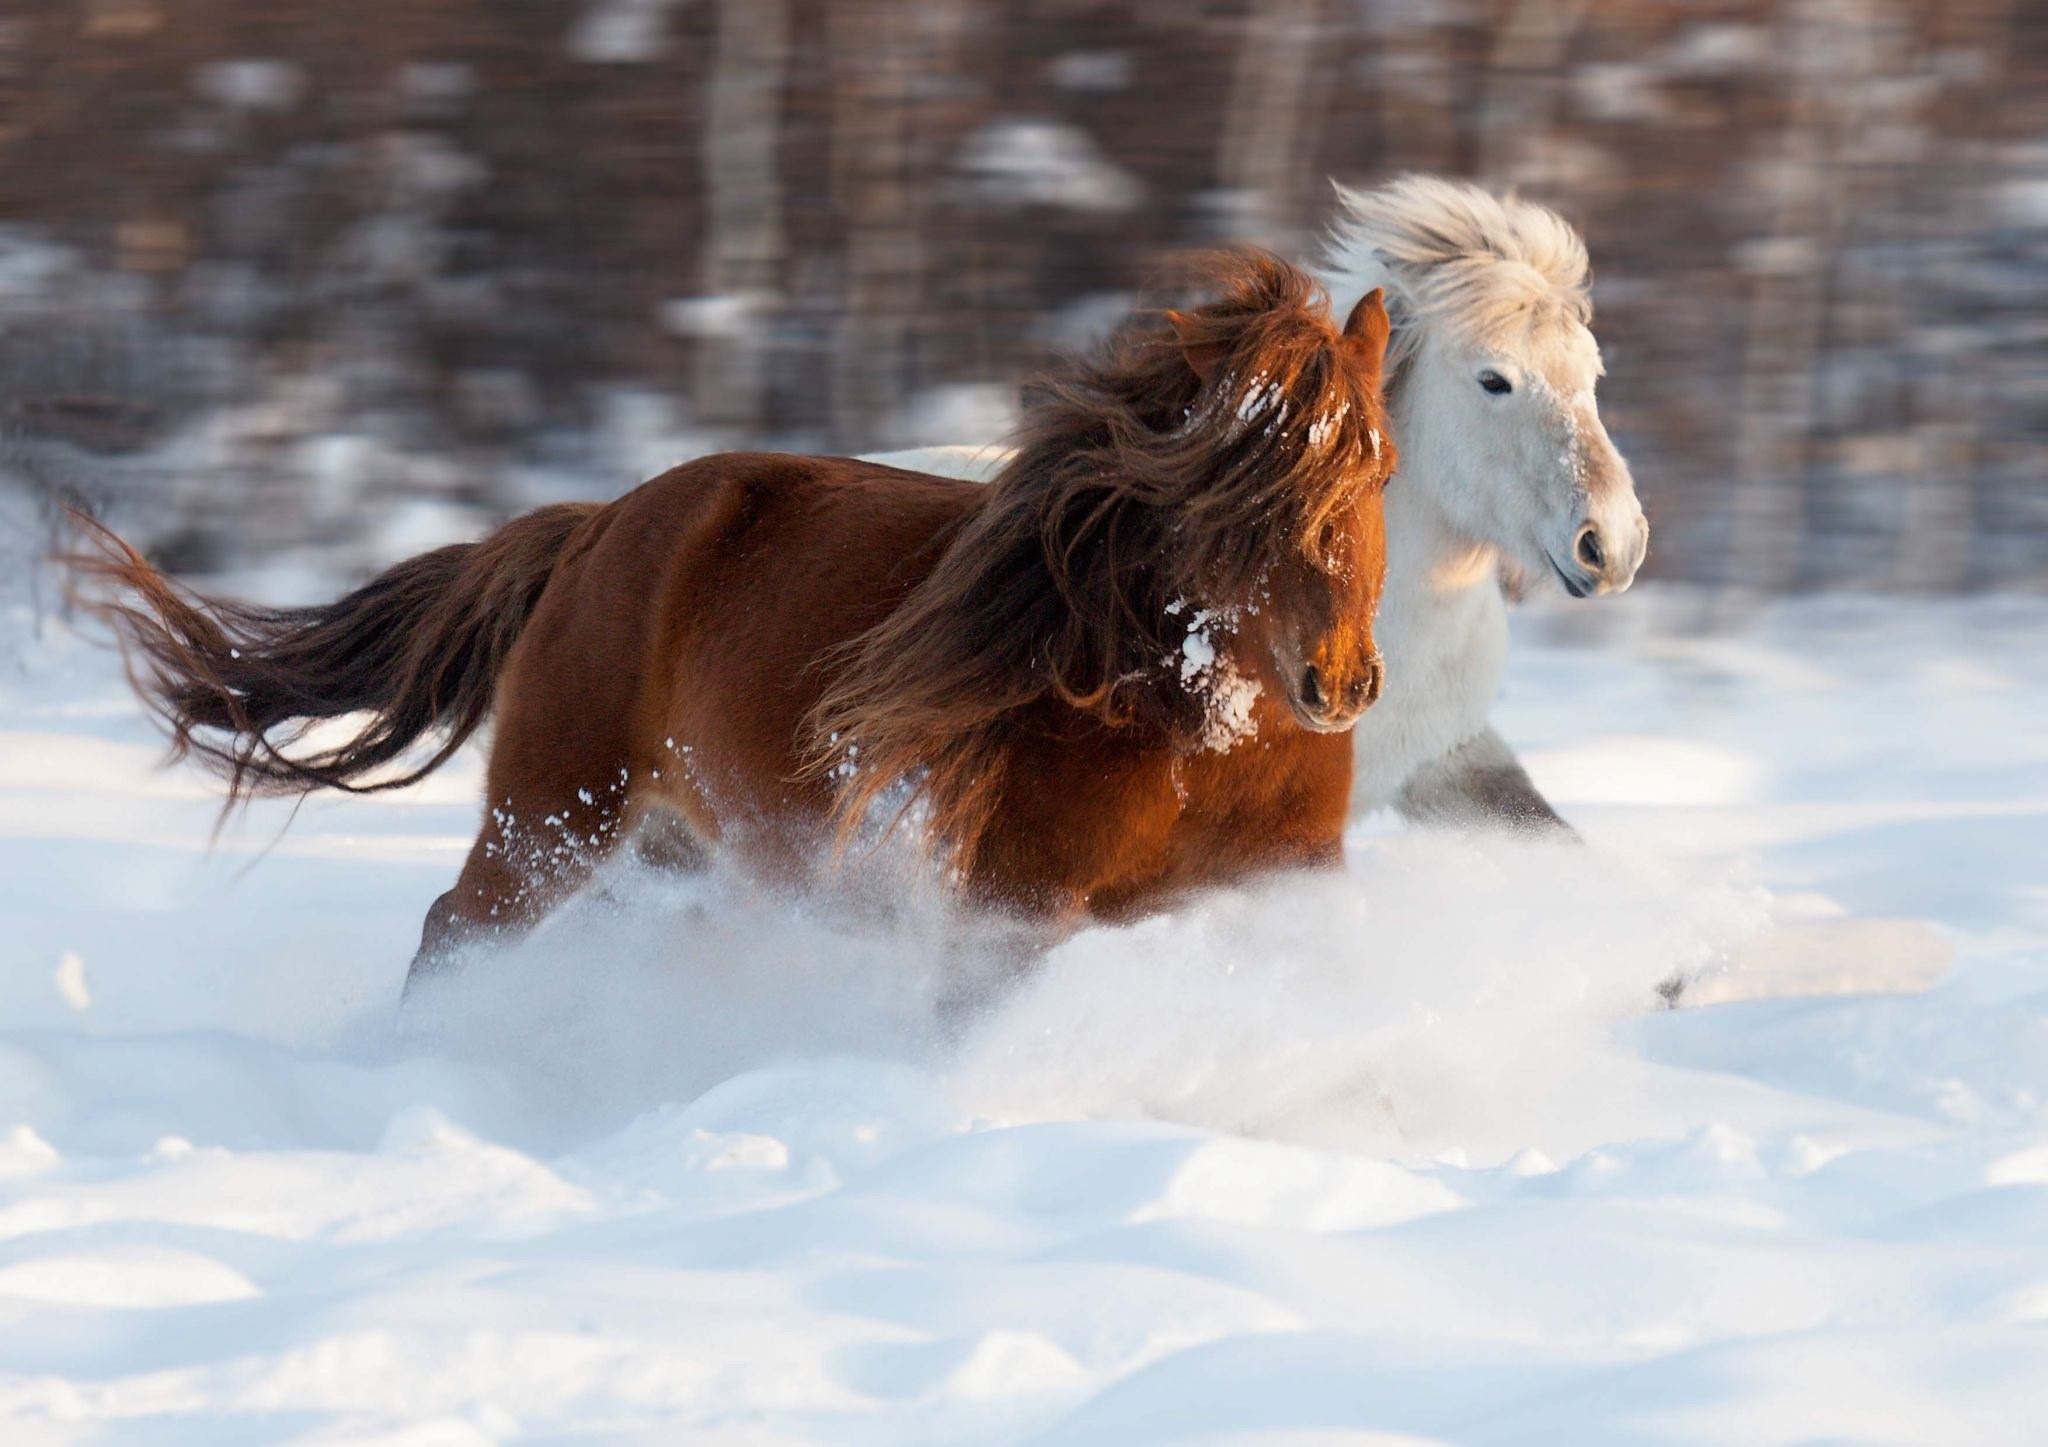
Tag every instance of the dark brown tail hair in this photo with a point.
(417, 648)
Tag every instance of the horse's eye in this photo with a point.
(1495, 383)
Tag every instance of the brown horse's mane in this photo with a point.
(1156, 479)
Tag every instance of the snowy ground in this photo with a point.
(1402, 1152)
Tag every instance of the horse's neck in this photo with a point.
(1432, 565)
(1441, 626)
(1425, 553)
(1441, 611)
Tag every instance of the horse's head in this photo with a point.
(1276, 540)
(1493, 374)
(1189, 531)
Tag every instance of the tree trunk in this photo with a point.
(744, 247)
(1259, 159)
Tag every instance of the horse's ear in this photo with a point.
(1204, 354)
(1368, 327)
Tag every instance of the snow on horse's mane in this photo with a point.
(1456, 252)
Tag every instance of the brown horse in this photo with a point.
(1124, 669)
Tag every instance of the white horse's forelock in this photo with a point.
(1453, 253)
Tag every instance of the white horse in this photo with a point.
(1506, 469)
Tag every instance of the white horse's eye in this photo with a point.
(1495, 383)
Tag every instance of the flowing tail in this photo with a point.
(417, 649)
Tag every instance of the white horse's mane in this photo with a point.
(1456, 253)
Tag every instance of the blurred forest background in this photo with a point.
(298, 283)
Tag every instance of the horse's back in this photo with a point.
(705, 608)
(780, 557)
(729, 506)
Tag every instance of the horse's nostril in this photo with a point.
(1589, 551)
(1311, 687)
(1375, 677)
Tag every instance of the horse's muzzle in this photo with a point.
(1321, 709)
(1603, 558)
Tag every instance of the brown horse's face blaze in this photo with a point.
(1318, 634)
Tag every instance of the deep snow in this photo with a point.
(1405, 1151)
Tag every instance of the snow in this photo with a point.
(1261, 395)
(728, 315)
(647, 432)
(621, 32)
(941, 411)
(1325, 427)
(437, 82)
(29, 265)
(1034, 161)
(252, 85)
(1399, 1154)
(1228, 694)
(1094, 70)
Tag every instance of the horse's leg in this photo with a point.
(664, 840)
(1051, 860)
(516, 873)
(991, 956)
(560, 797)
(1479, 783)
(462, 916)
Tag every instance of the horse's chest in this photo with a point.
(1118, 832)
(1268, 802)
(1444, 654)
